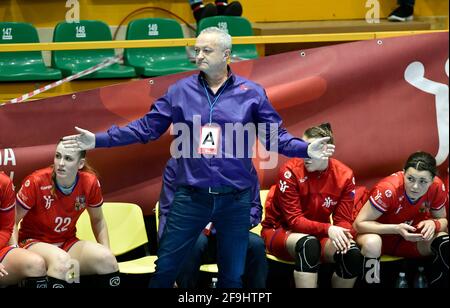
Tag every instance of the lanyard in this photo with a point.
(211, 105)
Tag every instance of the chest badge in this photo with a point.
(80, 203)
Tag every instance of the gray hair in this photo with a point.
(223, 38)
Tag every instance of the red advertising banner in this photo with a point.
(384, 99)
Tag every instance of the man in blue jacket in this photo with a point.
(214, 170)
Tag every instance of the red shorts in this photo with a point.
(275, 240)
(395, 245)
(4, 251)
(64, 245)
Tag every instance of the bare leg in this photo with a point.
(20, 264)
(93, 258)
(58, 261)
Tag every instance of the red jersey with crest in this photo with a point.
(305, 200)
(52, 218)
(389, 197)
(7, 213)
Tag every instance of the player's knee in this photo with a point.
(350, 264)
(307, 254)
(34, 266)
(372, 246)
(105, 262)
(440, 248)
(60, 265)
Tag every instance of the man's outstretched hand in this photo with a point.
(320, 149)
(85, 140)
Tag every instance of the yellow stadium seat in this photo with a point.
(273, 258)
(388, 258)
(209, 268)
(126, 229)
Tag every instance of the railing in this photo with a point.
(269, 39)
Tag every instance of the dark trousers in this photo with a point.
(191, 211)
(205, 251)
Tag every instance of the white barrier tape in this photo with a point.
(88, 71)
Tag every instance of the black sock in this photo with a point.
(55, 283)
(111, 280)
(439, 265)
(34, 283)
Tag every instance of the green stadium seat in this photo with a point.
(235, 26)
(23, 65)
(74, 61)
(156, 61)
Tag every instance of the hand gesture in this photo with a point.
(427, 229)
(85, 140)
(340, 237)
(407, 232)
(320, 149)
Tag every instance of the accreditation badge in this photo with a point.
(209, 140)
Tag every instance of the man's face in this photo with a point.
(209, 55)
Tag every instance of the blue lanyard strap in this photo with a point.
(211, 105)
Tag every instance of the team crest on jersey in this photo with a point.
(287, 174)
(303, 180)
(328, 202)
(283, 186)
(425, 207)
(80, 203)
(378, 199)
(48, 202)
(388, 193)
